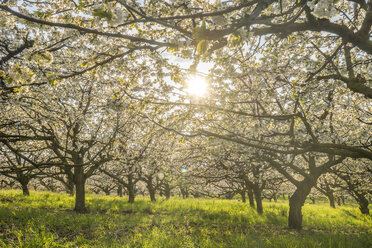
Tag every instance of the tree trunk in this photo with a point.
(331, 199)
(152, 195)
(258, 198)
(339, 201)
(120, 190)
(275, 198)
(363, 204)
(151, 190)
(24, 185)
(80, 190)
(184, 193)
(296, 202)
(251, 198)
(131, 193)
(167, 191)
(242, 193)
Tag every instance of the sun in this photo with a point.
(197, 86)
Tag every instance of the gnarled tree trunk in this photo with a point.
(296, 202)
(363, 204)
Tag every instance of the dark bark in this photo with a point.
(167, 191)
(70, 188)
(331, 199)
(80, 190)
(296, 202)
(242, 193)
(363, 203)
(251, 198)
(275, 198)
(257, 195)
(151, 190)
(24, 185)
(185, 193)
(131, 191)
(107, 192)
(120, 190)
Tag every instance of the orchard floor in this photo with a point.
(45, 220)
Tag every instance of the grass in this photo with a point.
(45, 220)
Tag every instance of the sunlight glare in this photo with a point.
(197, 86)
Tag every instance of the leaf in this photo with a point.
(102, 14)
(15, 90)
(53, 82)
(40, 14)
(84, 64)
(202, 47)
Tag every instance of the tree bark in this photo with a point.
(258, 198)
(120, 190)
(363, 204)
(242, 193)
(80, 190)
(251, 198)
(24, 185)
(296, 201)
(131, 193)
(185, 193)
(151, 190)
(331, 199)
(167, 191)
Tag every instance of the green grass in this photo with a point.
(46, 220)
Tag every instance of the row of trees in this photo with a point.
(96, 89)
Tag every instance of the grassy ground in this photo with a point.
(46, 220)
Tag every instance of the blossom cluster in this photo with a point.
(322, 9)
